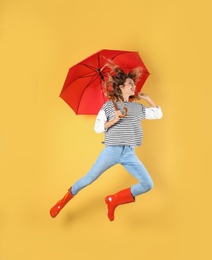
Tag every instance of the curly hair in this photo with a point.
(117, 77)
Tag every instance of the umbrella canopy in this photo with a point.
(82, 89)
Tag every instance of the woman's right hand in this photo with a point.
(117, 114)
(112, 122)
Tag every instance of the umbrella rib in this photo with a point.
(89, 66)
(93, 71)
(90, 74)
(89, 83)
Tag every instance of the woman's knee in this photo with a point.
(147, 185)
(150, 185)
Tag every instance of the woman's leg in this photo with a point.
(135, 167)
(106, 159)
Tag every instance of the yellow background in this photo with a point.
(45, 147)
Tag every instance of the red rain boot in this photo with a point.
(60, 204)
(121, 197)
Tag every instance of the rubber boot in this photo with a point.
(54, 211)
(112, 201)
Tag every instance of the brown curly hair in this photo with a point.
(117, 77)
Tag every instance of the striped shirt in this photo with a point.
(127, 131)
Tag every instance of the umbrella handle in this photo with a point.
(125, 110)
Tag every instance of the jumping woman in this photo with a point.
(120, 120)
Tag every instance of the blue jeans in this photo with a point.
(110, 156)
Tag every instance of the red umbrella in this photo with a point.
(83, 90)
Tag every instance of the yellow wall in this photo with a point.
(45, 147)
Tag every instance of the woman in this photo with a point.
(120, 120)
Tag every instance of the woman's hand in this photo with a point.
(142, 96)
(117, 115)
(115, 120)
(147, 98)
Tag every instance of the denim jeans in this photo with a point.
(110, 156)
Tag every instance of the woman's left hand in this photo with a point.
(142, 96)
(147, 98)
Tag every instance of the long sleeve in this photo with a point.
(153, 113)
(99, 126)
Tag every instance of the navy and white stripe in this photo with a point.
(126, 131)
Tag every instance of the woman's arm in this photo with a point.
(113, 121)
(102, 124)
(152, 112)
(147, 98)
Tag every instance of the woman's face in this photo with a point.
(129, 87)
